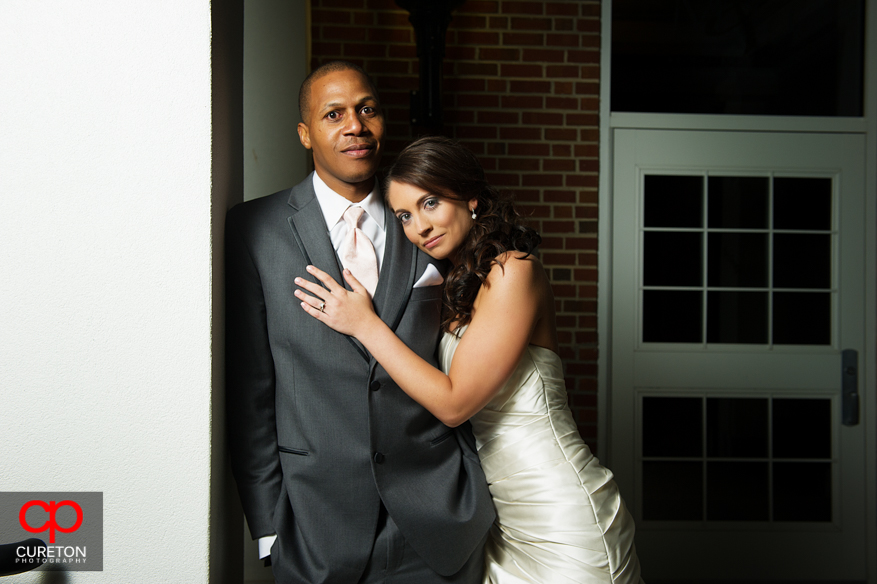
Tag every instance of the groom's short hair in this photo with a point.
(304, 94)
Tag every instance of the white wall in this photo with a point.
(105, 256)
(275, 63)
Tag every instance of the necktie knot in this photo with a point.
(352, 216)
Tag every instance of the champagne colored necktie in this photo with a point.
(357, 252)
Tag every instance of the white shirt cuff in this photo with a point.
(265, 544)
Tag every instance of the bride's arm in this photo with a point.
(506, 311)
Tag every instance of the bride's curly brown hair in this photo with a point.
(443, 167)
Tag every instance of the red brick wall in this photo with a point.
(521, 82)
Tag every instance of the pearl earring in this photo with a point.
(473, 214)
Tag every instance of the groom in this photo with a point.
(342, 476)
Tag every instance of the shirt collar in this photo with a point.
(333, 205)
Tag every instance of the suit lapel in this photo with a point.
(397, 273)
(309, 229)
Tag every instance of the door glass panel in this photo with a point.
(672, 426)
(673, 491)
(802, 261)
(737, 491)
(760, 453)
(802, 203)
(737, 317)
(801, 318)
(802, 428)
(672, 258)
(738, 201)
(673, 201)
(672, 317)
(763, 257)
(771, 57)
(737, 427)
(737, 260)
(802, 491)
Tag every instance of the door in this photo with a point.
(737, 306)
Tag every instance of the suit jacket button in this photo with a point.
(375, 385)
(379, 458)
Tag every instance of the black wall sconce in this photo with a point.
(430, 19)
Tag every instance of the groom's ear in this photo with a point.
(304, 135)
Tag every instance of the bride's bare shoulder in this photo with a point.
(515, 268)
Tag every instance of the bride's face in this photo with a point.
(436, 224)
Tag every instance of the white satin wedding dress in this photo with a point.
(560, 517)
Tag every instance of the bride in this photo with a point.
(560, 517)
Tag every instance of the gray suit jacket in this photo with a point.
(319, 434)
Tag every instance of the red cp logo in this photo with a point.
(51, 508)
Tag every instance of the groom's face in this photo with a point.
(344, 129)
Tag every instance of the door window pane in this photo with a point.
(802, 261)
(802, 203)
(763, 257)
(672, 258)
(737, 427)
(673, 491)
(737, 260)
(672, 426)
(673, 201)
(738, 202)
(801, 318)
(672, 317)
(802, 491)
(802, 428)
(766, 459)
(737, 317)
(737, 491)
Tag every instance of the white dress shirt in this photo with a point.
(372, 224)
